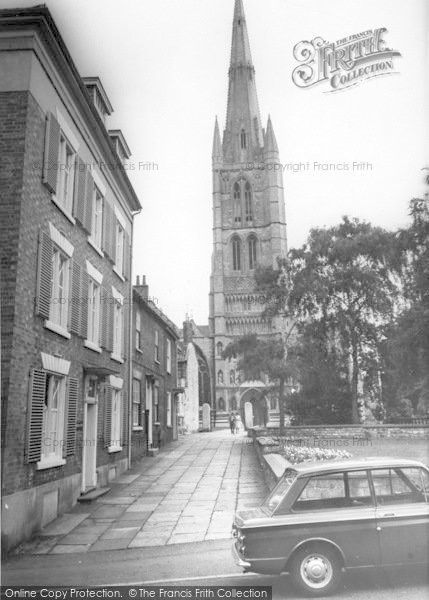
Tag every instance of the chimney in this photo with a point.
(187, 332)
(143, 288)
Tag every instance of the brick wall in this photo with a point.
(13, 116)
(30, 337)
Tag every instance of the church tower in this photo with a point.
(249, 226)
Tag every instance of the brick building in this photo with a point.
(154, 383)
(66, 218)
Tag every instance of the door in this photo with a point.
(89, 454)
(149, 408)
(402, 514)
(174, 416)
(338, 507)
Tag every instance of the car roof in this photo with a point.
(370, 462)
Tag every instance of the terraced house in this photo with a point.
(154, 385)
(67, 210)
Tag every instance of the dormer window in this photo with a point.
(120, 144)
(98, 96)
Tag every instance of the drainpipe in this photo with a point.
(130, 343)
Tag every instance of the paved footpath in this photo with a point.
(187, 493)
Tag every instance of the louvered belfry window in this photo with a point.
(252, 247)
(248, 201)
(236, 254)
(236, 194)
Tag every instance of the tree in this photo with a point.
(324, 391)
(258, 357)
(344, 280)
(406, 349)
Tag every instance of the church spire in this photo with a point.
(270, 142)
(217, 147)
(240, 47)
(243, 139)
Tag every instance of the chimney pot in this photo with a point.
(138, 280)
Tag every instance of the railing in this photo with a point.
(410, 421)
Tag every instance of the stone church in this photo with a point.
(249, 229)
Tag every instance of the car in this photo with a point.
(325, 517)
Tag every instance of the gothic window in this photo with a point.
(221, 404)
(252, 247)
(248, 201)
(236, 254)
(243, 139)
(219, 349)
(220, 376)
(233, 403)
(232, 377)
(237, 202)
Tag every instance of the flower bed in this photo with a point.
(297, 454)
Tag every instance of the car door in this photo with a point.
(402, 496)
(339, 507)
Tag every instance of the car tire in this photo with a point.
(315, 570)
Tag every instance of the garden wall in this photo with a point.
(321, 434)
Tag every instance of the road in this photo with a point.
(197, 564)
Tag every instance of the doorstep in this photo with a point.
(93, 494)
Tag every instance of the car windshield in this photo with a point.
(279, 492)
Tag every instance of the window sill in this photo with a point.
(115, 270)
(112, 449)
(57, 329)
(137, 428)
(95, 247)
(116, 358)
(50, 463)
(65, 212)
(91, 346)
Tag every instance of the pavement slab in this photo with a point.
(64, 524)
(119, 533)
(69, 549)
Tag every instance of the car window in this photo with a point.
(279, 492)
(335, 490)
(400, 486)
(358, 490)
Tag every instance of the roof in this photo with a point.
(370, 462)
(157, 312)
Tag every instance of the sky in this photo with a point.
(164, 66)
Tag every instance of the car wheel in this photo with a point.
(316, 570)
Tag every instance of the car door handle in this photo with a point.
(388, 515)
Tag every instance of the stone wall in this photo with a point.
(321, 434)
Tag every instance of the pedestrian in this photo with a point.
(232, 422)
(237, 423)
